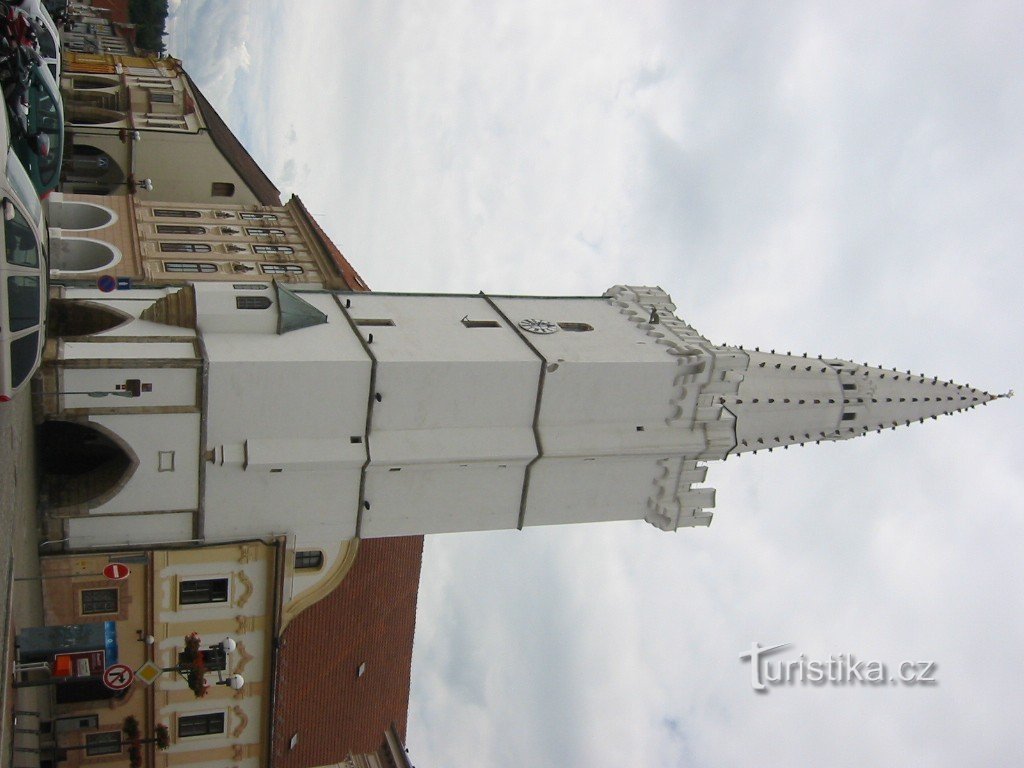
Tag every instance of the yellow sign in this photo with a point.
(148, 672)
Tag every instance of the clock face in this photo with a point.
(538, 326)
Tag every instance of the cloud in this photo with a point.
(833, 180)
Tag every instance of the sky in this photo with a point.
(835, 179)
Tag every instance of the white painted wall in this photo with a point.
(149, 489)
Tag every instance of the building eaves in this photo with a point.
(352, 278)
(233, 150)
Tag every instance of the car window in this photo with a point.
(47, 45)
(22, 248)
(46, 117)
(24, 353)
(18, 177)
(22, 302)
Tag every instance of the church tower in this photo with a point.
(260, 410)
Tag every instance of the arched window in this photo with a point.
(185, 247)
(82, 254)
(180, 229)
(189, 266)
(88, 163)
(252, 302)
(79, 464)
(82, 318)
(73, 214)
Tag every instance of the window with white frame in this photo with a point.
(264, 231)
(281, 269)
(206, 724)
(185, 247)
(286, 249)
(200, 591)
(189, 266)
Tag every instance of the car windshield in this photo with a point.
(22, 302)
(22, 184)
(24, 353)
(20, 241)
(45, 116)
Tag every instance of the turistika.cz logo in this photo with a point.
(840, 669)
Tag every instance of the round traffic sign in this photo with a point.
(106, 283)
(117, 677)
(116, 571)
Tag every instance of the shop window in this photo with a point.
(222, 189)
(252, 302)
(99, 601)
(198, 591)
(189, 266)
(206, 724)
(107, 743)
(180, 229)
(185, 247)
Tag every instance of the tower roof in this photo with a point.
(788, 399)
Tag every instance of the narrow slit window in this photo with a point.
(850, 387)
(480, 323)
(849, 416)
(576, 327)
(373, 321)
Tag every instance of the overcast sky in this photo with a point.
(844, 181)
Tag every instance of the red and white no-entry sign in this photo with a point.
(117, 677)
(116, 571)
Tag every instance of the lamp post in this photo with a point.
(194, 663)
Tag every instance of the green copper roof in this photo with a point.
(294, 312)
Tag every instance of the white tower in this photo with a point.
(327, 416)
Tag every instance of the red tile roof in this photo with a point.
(346, 270)
(369, 619)
(118, 9)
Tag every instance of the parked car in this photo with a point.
(45, 118)
(24, 274)
(47, 37)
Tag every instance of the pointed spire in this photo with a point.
(786, 402)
